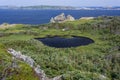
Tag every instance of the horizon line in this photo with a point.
(56, 5)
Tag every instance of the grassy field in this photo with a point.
(96, 61)
(22, 72)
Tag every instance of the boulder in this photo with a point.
(6, 25)
(61, 18)
(39, 72)
(87, 18)
(52, 20)
(70, 18)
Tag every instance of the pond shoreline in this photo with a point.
(62, 42)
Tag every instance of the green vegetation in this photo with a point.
(97, 61)
(9, 72)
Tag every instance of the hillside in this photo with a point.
(96, 61)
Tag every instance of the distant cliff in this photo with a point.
(61, 18)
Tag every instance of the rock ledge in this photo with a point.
(40, 73)
(61, 18)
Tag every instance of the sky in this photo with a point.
(77, 3)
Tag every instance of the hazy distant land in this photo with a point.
(60, 7)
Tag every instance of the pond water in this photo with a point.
(60, 42)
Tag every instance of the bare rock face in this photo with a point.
(57, 78)
(61, 18)
(30, 61)
(40, 73)
(18, 55)
(52, 20)
(6, 25)
(70, 18)
(87, 18)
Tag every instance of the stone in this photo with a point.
(70, 18)
(41, 74)
(14, 63)
(37, 69)
(87, 18)
(29, 61)
(6, 25)
(57, 78)
(18, 55)
(61, 18)
(102, 77)
(52, 20)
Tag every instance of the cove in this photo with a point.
(60, 42)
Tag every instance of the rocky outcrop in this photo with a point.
(18, 55)
(52, 20)
(61, 18)
(6, 25)
(57, 78)
(70, 18)
(40, 73)
(29, 61)
(87, 18)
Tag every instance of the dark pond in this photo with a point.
(60, 42)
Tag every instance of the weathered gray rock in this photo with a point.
(14, 63)
(102, 77)
(40, 73)
(6, 25)
(61, 18)
(52, 20)
(70, 18)
(29, 61)
(18, 55)
(87, 18)
(57, 77)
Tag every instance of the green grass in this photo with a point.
(83, 62)
(16, 37)
(79, 75)
(22, 72)
(52, 59)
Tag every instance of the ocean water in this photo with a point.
(44, 16)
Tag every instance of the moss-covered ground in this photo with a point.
(21, 72)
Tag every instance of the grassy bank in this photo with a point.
(84, 62)
(8, 72)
